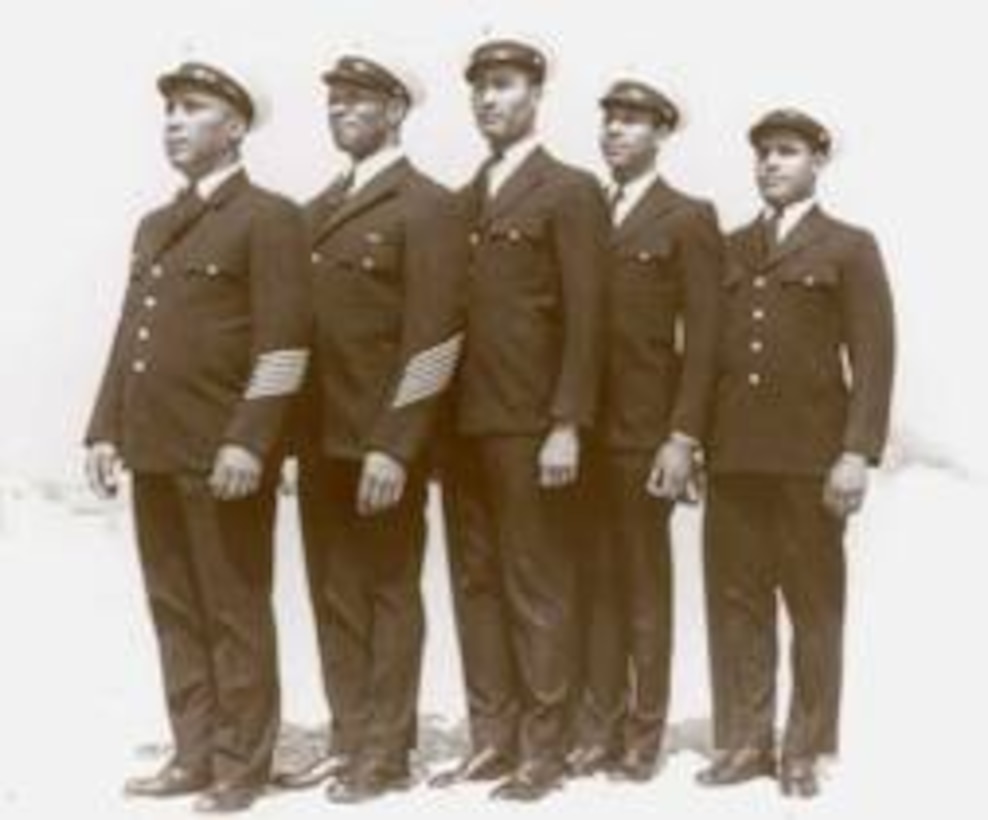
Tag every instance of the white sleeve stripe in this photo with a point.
(429, 372)
(277, 373)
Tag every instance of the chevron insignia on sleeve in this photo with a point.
(428, 372)
(277, 373)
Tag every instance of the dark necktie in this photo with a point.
(487, 168)
(771, 227)
(615, 200)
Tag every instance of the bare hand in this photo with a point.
(559, 458)
(672, 472)
(103, 469)
(847, 482)
(382, 483)
(236, 473)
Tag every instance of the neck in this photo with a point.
(224, 161)
(500, 146)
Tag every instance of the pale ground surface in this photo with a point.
(81, 706)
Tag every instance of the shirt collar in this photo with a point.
(209, 184)
(514, 157)
(791, 215)
(634, 190)
(372, 166)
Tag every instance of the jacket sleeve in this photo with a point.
(105, 421)
(281, 326)
(870, 338)
(700, 258)
(434, 266)
(581, 236)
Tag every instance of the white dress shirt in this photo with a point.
(792, 215)
(514, 157)
(633, 191)
(208, 185)
(374, 165)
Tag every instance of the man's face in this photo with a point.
(362, 120)
(505, 101)
(629, 140)
(201, 131)
(786, 168)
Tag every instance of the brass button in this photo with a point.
(367, 263)
(514, 235)
(810, 280)
(644, 256)
(754, 379)
(157, 271)
(150, 302)
(760, 282)
(143, 334)
(316, 257)
(758, 314)
(139, 366)
(475, 239)
(757, 346)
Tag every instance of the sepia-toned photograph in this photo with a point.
(514, 408)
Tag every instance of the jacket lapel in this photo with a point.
(381, 187)
(186, 213)
(748, 244)
(658, 200)
(526, 177)
(809, 231)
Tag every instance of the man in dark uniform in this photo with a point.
(661, 346)
(211, 346)
(526, 391)
(388, 258)
(801, 411)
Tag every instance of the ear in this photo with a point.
(395, 111)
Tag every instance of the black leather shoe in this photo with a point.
(635, 766)
(318, 771)
(798, 777)
(737, 766)
(172, 780)
(487, 764)
(530, 783)
(585, 761)
(369, 784)
(225, 798)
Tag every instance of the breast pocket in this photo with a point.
(519, 233)
(819, 279)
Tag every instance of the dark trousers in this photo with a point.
(764, 535)
(627, 584)
(207, 568)
(512, 574)
(364, 575)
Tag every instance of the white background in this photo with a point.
(902, 85)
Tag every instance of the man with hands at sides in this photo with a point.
(388, 251)
(801, 409)
(211, 346)
(663, 302)
(526, 393)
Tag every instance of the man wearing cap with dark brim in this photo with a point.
(210, 350)
(526, 396)
(388, 252)
(661, 345)
(800, 413)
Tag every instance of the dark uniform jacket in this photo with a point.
(668, 269)
(213, 338)
(388, 265)
(806, 359)
(537, 277)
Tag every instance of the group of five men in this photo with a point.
(567, 359)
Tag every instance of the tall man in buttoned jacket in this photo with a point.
(388, 259)
(211, 346)
(663, 300)
(801, 410)
(526, 393)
